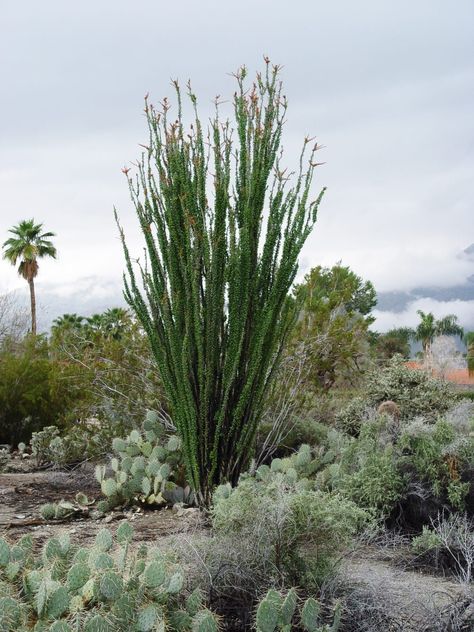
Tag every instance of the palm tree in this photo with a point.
(27, 245)
(429, 328)
(68, 321)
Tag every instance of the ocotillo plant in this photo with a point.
(223, 229)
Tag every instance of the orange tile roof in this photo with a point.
(458, 376)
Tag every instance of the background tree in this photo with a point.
(223, 232)
(469, 340)
(13, 319)
(333, 323)
(115, 369)
(27, 245)
(35, 389)
(395, 341)
(429, 328)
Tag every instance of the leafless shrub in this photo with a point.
(14, 318)
(456, 536)
(282, 402)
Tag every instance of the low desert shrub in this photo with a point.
(414, 391)
(438, 455)
(406, 472)
(5, 458)
(62, 448)
(368, 472)
(274, 529)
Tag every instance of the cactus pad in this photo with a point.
(103, 540)
(147, 619)
(154, 574)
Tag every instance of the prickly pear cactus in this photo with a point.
(276, 613)
(296, 470)
(145, 468)
(103, 588)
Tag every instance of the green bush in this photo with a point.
(368, 472)
(416, 393)
(448, 545)
(389, 465)
(67, 588)
(427, 541)
(32, 391)
(72, 446)
(292, 532)
(438, 455)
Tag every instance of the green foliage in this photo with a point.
(428, 540)
(378, 468)
(351, 417)
(33, 393)
(393, 342)
(439, 454)
(368, 471)
(278, 613)
(220, 265)
(333, 325)
(147, 469)
(109, 360)
(290, 528)
(416, 393)
(86, 590)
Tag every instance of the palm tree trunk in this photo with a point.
(31, 283)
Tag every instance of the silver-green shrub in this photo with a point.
(414, 391)
(277, 527)
(48, 446)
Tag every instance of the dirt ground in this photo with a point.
(22, 494)
(412, 600)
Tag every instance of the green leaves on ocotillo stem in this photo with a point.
(223, 224)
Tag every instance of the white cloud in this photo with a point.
(391, 98)
(464, 310)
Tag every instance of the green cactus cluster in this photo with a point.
(145, 469)
(49, 447)
(276, 613)
(103, 588)
(300, 467)
(65, 509)
(297, 470)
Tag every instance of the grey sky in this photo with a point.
(387, 87)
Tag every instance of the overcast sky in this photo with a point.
(387, 87)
